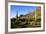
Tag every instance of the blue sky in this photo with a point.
(21, 9)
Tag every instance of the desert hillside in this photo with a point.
(36, 13)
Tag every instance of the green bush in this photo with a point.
(25, 22)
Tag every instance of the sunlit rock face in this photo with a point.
(36, 13)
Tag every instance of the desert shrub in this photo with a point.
(12, 24)
(17, 22)
(25, 22)
(22, 20)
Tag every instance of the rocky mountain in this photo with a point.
(36, 13)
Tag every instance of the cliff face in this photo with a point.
(36, 13)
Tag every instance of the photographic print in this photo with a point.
(25, 17)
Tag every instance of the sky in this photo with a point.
(21, 10)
